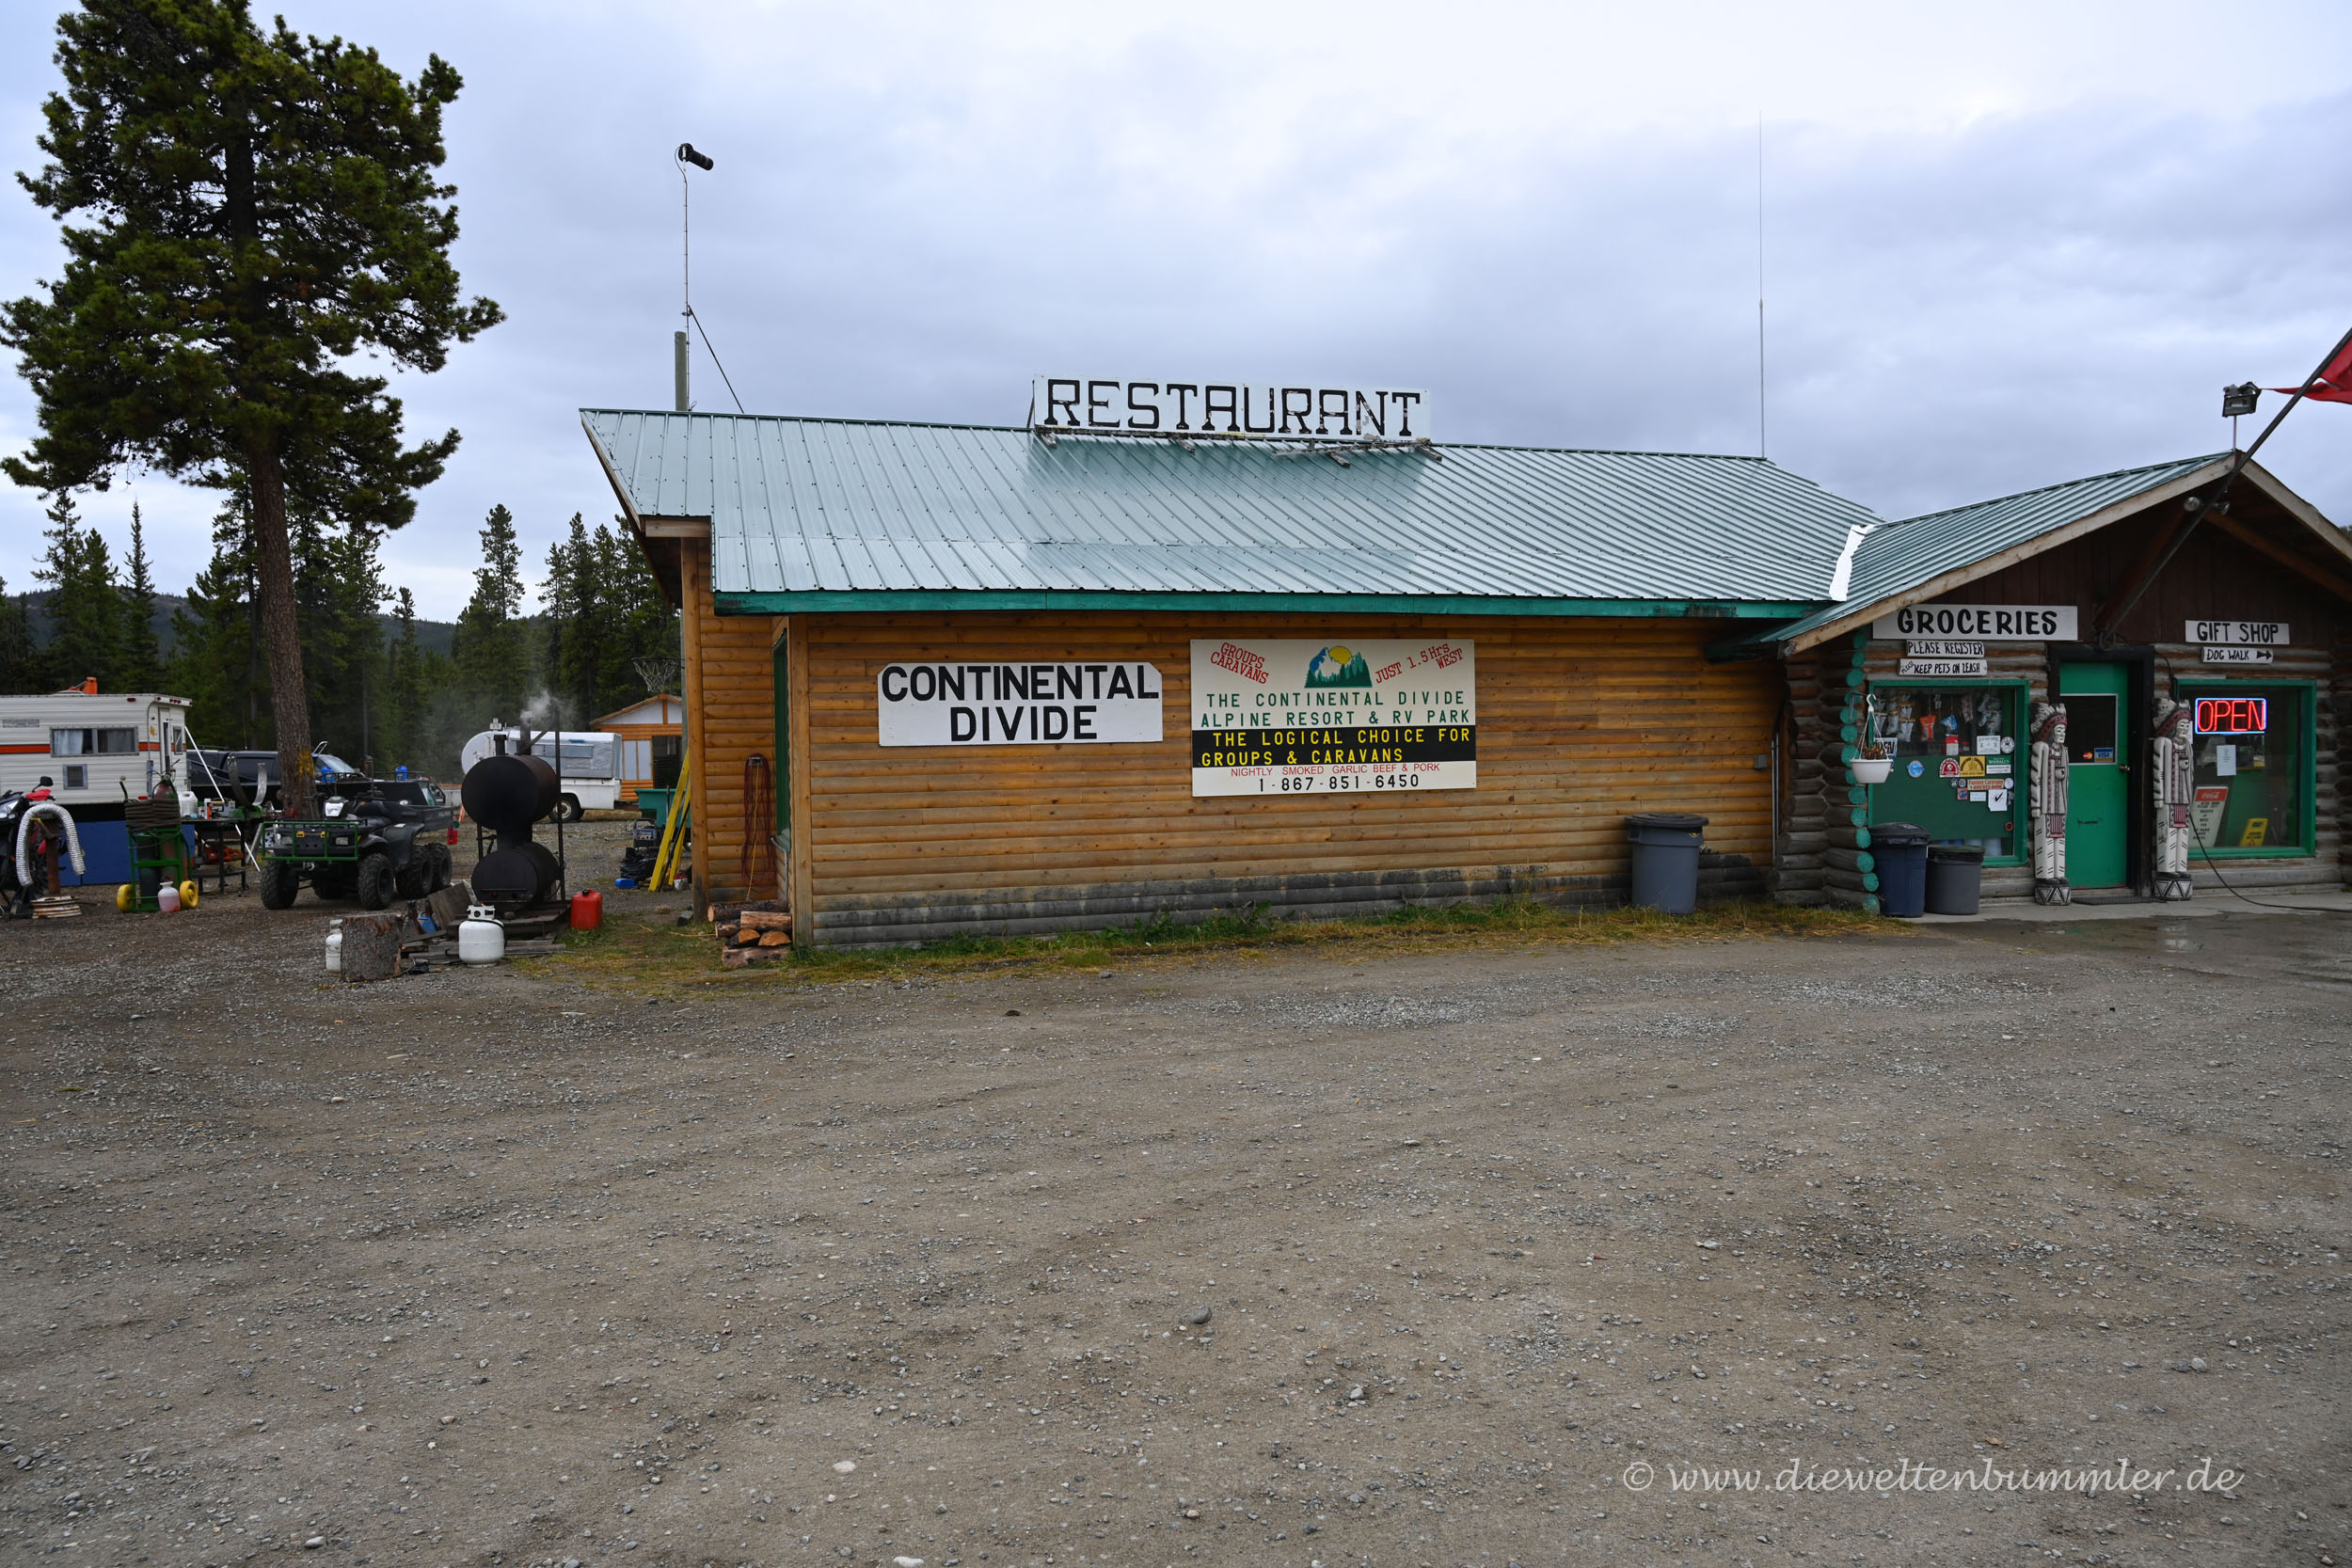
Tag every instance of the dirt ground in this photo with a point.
(1340, 1255)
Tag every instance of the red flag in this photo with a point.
(2333, 384)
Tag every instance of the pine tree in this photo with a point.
(490, 646)
(338, 585)
(84, 602)
(140, 664)
(245, 213)
(645, 624)
(20, 658)
(573, 605)
(405, 689)
(215, 659)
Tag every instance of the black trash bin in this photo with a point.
(1665, 859)
(1900, 850)
(1955, 879)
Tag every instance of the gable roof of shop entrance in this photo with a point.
(1908, 562)
(848, 515)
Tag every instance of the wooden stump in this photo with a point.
(372, 947)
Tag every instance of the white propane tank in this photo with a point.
(481, 939)
(334, 947)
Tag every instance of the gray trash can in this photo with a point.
(1955, 879)
(1665, 859)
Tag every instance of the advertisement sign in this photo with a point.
(2255, 634)
(1304, 717)
(2205, 816)
(1017, 704)
(1985, 623)
(1113, 405)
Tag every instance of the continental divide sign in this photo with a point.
(1017, 704)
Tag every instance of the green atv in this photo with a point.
(391, 842)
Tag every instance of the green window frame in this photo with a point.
(2306, 733)
(2018, 695)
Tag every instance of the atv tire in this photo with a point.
(438, 877)
(378, 881)
(280, 881)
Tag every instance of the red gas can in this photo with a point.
(587, 910)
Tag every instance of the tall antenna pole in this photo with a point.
(1760, 451)
(679, 356)
(680, 360)
(686, 154)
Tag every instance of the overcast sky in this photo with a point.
(2003, 244)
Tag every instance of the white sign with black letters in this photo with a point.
(1017, 704)
(1985, 623)
(2227, 655)
(1110, 406)
(1944, 648)
(2253, 634)
(1946, 667)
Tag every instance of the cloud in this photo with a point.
(2001, 249)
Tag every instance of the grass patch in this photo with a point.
(639, 956)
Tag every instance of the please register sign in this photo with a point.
(1302, 716)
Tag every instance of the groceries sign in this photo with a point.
(1985, 623)
(1111, 406)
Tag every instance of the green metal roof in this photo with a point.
(856, 514)
(1894, 558)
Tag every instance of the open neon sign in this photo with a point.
(2233, 714)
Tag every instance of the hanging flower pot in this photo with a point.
(1868, 769)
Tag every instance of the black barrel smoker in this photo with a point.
(507, 792)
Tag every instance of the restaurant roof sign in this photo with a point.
(1113, 405)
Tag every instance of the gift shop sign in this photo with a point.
(2247, 634)
(1017, 704)
(1984, 623)
(1311, 717)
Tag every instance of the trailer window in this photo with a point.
(122, 741)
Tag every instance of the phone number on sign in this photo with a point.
(1317, 780)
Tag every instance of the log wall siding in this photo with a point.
(1580, 722)
(730, 714)
(1823, 851)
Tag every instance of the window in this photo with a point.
(1960, 757)
(2090, 728)
(2254, 775)
(120, 742)
(76, 776)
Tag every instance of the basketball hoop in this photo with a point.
(657, 674)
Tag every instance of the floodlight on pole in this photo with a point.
(2239, 400)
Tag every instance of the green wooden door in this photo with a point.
(2098, 789)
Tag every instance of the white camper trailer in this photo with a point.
(98, 749)
(590, 764)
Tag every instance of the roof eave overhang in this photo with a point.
(1862, 612)
(875, 601)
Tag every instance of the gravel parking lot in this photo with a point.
(1462, 1255)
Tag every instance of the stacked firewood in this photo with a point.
(755, 934)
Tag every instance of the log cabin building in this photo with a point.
(951, 679)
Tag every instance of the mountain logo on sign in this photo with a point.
(1338, 666)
